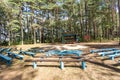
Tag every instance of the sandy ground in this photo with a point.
(97, 67)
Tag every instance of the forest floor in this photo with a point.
(97, 67)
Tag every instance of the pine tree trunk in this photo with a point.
(34, 36)
(119, 19)
(94, 28)
(9, 38)
(22, 35)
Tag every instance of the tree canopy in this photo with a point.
(36, 21)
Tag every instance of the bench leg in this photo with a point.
(103, 55)
(14, 56)
(83, 65)
(41, 59)
(78, 54)
(92, 52)
(49, 54)
(8, 63)
(112, 58)
(34, 65)
(21, 58)
(32, 55)
(61, 65)
(8, 54)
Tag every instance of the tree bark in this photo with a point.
(119, 19)
(22, 35)
(34, 36)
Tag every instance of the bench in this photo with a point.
(69, 38)
(5, 50)
(106, 53)
(75, 52)
(102, 50)
(2, 50)
(27, 53)
(8, 49)
(52, 52)
(14, 55)
(64, 52)
(60, 59)
(6, 58)
(76, 57)
(112, 56)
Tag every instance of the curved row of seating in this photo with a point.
(60, 56)
(111, 53)
(107, 52)
(9, 56)
(5, 58)
(63, 52)
(102, 50)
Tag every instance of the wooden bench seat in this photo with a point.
(27, 53)
(59, 57)
(49, 60)
(64, 52)
(6, 59)
(2, 50)
(102, 50)
(106, 53)
(112, 56)
(60, 60)
(14, 55)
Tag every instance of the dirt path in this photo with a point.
(97, 67)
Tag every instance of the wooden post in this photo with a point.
(34, 65)
(8, 63)
(112, 58)
(83, 65)
(103, 55)
(61, 65)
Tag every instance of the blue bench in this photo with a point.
(112, 56)
(67, 52)
(36, 50)
(109, 52)
(102, 50)
(52, 52)
(8, 49)
(2, 50)
(63, 52)
(27, 53)
(106, 53)
(5, 50)
(60, 60)
(6, 58)
(14, 55)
